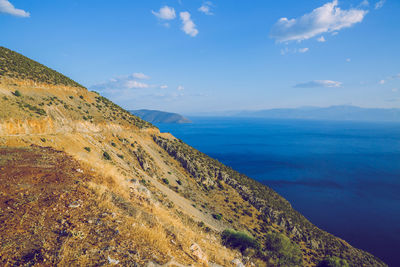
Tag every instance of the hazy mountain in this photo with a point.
(346, 113)
(156, 116)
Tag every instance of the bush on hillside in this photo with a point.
(17, 93)
(333, 262)
(106, 156)
(282, 250)
(87, 149)
(218, 217)
(239, 240)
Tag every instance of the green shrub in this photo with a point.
(333, 262)
(17, 93)
(239, 240)
(282, 250)
(113, 144)
(106, 156)
(218, 217)
(87, 149)
(43, 139)
(120, 156)
(165, 180)
(179, 182)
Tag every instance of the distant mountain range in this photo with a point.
(156, 116)
(340, 113)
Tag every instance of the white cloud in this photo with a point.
(166, 13)
(348, 59)
(139, 75)
(135, 84)
(180, 88)
(8, 8)
(327, 18)
(364, 3)
(380, 4)
(121, 83)
(188, 25)
(206, 8)
(321, 39)
(382, 82)
(303, 50)
(164, 86)
(319, 83)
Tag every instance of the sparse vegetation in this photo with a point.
(165, 181)
(87, 148)
(15, 65)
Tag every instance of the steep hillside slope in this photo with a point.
(84, 182)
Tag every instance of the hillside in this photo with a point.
(156, 116)
(339, 113)
(84, 182)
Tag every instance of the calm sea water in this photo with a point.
(343, 176)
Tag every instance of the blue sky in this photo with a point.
(194, 56)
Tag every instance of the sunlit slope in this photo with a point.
(162, 200)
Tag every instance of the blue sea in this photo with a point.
(343, 176)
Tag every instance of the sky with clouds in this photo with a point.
(192, 56)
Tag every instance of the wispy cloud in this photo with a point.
(139, 75)
(319, 83)
(364, 3)
(303, 50)
(327, 18)
(8, 8)
(382, 82)
(321, 39)
(164, 86)
(136, 84)
(188, 25)
(206, 8)
(181, 88)
(397, 76)
(165, 13)
(121, 83)
(380, 4)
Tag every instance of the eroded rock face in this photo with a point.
(198, 254)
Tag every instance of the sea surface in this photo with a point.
(343, 176)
